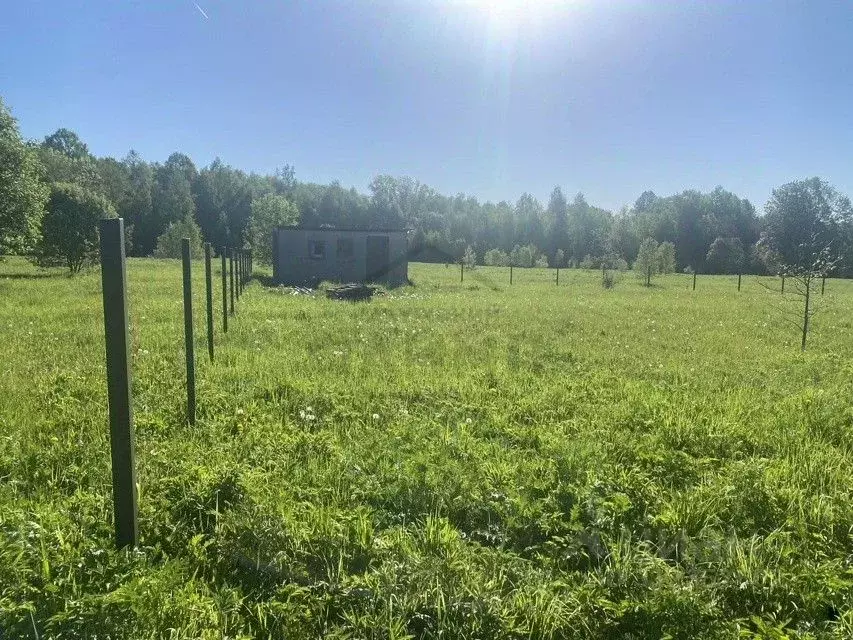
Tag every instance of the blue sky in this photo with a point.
(492, 99)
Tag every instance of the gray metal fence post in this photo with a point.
(224, 290)
(188, 330)
(208, 278)
(231, 276)
(119, 396)
(237, 277)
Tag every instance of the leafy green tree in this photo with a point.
(223, 199)
(181, 164)
(284, 180)
(523, 256)
(589, 228)
(805, 220)
(171, 195)
(559, 258)
(332, 204)
(725, 255)
(623, 240)
(646, 202)
(68, 143)
(389, 200)
(22, 192)
(502, 216)
(692, 220)
(136, 208)
(66, 158)
(692, 235)
(115, 182)
(69, 231)
(529, 216)
(665, 257)
(808, 223)
(269, 212)
(646, 264)
(588, 262)
(731, 217)
(557, 214)
(470, 257)
(170, 241)
(496, 258)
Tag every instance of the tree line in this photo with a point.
(53, 191)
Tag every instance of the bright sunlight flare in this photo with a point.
(505, 18)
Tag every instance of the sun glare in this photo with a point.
(506, 18)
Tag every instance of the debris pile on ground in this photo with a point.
(291, 291)
(352, 292)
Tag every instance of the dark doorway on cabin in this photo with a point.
(377, 257)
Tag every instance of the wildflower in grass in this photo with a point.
(240, 411)
(376, 416)
(468, 421)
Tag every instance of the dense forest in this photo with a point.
(716, 232)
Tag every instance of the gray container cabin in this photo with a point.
(305, 256)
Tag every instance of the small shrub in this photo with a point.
(619, 264)
(588, 262)
(470, 258)
(169, 242)
(524, 256)
(70, 227)
(647, 262)
(496, 258)
(666, 257)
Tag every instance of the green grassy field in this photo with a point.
(449, 460)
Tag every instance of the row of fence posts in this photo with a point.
(117, 343)
(240, 261)
(648, 278)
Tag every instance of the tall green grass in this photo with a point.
(449, 460)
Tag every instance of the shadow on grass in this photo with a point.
(31, 276)
(265, 281)
(269, 282)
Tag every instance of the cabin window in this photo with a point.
(317, 249)
(345, 248)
